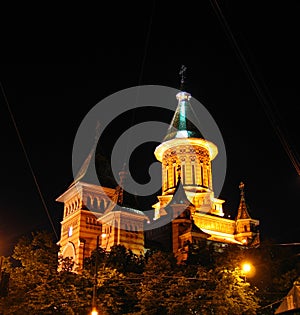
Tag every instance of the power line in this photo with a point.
(270, 305)
(147, 43)
(267, 108)
(141, 73)
(288, 244)
(27, 159)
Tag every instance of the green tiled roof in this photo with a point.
(181, 125)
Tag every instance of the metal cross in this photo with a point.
(182, 73)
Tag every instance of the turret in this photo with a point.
(246, 228)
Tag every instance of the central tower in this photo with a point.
(186, 154)
(187, 211)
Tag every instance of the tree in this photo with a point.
(118, 275)
(168, 288)
(200, 253)
(124, 260)
(211, 282)
(114, 293)
(119, 258)
(157, 278)
(232, 294)
(277, 267)
(4, 283)
(36, 286)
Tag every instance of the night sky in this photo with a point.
(56, 65)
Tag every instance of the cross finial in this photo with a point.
(182, 75)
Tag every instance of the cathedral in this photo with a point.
(186, 211)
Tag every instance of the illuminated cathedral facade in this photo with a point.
(101, 216)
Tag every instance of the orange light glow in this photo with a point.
(94, 311)
(246, 267)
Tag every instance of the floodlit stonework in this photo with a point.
(187, 192)
(104, 216)
(95, 216)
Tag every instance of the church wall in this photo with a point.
(121, 227)
(214, 223)
(81, 229)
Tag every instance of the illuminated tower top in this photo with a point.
(182, 130)
(242, 211)
(181, 125)
(184, 148)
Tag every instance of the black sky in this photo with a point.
(56, 65)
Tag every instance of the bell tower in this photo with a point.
(187, 207)
(185, 150)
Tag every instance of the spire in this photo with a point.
(181, 125)
(120, 189)
(242, 211)
(124, 198)
(182, 129)
(85, 166)
(179, 195)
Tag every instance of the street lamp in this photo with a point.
(246, 268)
(94, 311)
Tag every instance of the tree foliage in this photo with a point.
(209, 282)
(170, 289)
(36, 286)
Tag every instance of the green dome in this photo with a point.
(181, 125)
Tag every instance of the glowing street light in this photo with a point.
(247, 269)
(94, 311)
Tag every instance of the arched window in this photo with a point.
(102, 205)
(70, 231)
(69, 251)
(95, 203)
(88, 201)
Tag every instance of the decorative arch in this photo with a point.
(88, 202)
(102, 205)
(69, 251)
(95, 203)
